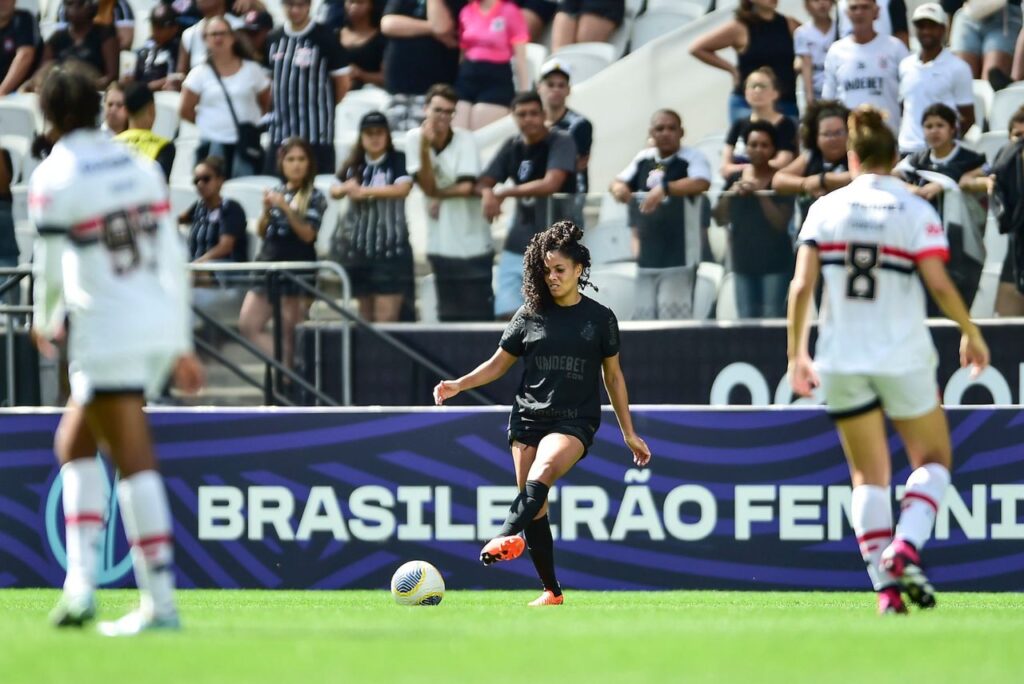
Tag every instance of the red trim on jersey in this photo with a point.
(874, 534)
(37, 201)
(83, 518)
(892, 251)
(831, 246)
(155, 539)
(923, 497)
(940, 252)
(84, 228)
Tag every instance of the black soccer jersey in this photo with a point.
(281, 243)
(376, 228)
(562, 350)
(89, 51)
(21, 31)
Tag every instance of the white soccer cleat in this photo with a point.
(73, 610)
(137, 622)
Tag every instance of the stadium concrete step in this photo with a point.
(241, 395)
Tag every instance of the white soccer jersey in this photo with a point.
(866, 73)
(108, 251)
(870, 236)
(946, 79)
(811, 43)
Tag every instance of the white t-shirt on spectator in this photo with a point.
(870, 236)
(867, 73)
(192, 38)
(810, 42)
(213, 118)
(946, 79)
(459, 231)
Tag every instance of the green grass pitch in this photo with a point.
(491, 636)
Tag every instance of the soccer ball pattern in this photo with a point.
(417, 583)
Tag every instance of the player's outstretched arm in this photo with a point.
(973, 350)
(802, 377)
(615, 385)
(487, 372)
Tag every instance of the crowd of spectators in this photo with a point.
(452, 66)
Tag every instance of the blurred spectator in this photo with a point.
(363, 43)
(19, 37)
(115, 114)
(585, 21)
(291, 217)
(256, 28)
(83, 41)
(985, 36)
(538, 14)
(553, 88)
(823, 166)
(891, 20)
(188, 13)
(124, 22)
(193, 40)
(1008, 173)
(962, 215)
(156, 60)
(8, 243)
(372, 241)
(225, 97)
(762, 94)
(761, 37)
(760, 244)
(446, 163)
(863, 68)
(492, 33)
(811, 41)
(138, 102)
(422, 49)
(667, 227)
(217, 226)
(540, 163)
(309, 76)
(932, 75)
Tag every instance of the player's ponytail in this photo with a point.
(871, 138)
(564, 237)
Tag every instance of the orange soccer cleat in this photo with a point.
(548, 598)
(502, 549)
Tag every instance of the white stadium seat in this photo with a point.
(536, 55)
(705, 290)
(652, 25)
(1004, 104)
(167, 106)
(616, 287)
(983, 95)
(726, 305)
(18, 118)
(351, 109)
(586, 59)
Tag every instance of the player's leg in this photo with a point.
(119, 422)
(85, 493)
(510, 546)
(538, 531)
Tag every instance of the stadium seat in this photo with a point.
(126, 62)
(426, 299)
(726, 304)
(184, 160)
(19, 202)
(536, 54)
(181, 197)
(990, 143)
(635, 7)
(705, 290)
(612, 211)
(1004, 104)
(167, 104)
(609, 242)
(18, 118)
(617, 288)
(672, 5)
(248, 192)
(586, 59)
(329, 223)
(652, 25)
(711, 147)
(351, 109)
(983, 95)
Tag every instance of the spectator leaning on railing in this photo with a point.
(762, 94)
(19, 41)
(759, 240)
(446, 163)
(1008, 177)
(540, 163)
(667, 226)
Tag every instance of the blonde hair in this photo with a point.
(871, 138)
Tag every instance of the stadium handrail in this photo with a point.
(11, 277)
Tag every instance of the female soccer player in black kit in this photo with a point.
(565, 338)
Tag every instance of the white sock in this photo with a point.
(871, 510)
(85, 493)
(147, 522)
(926, 488)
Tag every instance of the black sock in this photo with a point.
(525, 507)
(542, 551)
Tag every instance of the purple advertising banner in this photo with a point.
(734, 499)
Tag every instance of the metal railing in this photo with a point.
(10, 279)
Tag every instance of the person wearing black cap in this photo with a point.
(372, 241)
(138, 100)
(257, 28)
(157, 58)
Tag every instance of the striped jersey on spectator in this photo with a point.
(303, 65)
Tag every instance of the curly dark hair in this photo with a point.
(814, 114)
(563, 237)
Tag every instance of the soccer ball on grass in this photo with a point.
(417, 583)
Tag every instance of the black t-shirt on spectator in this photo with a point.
(21, 31)
(582, 132)
(758, 248)
(412, 65)
(562, 350)
(208, 225)
(89, 51)
(368, 56)
(281, 243)
(524, 163)
(156, 61)
(785, 137)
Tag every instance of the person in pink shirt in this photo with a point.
(492, 36)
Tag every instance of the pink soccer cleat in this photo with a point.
(890, 602)
(502, 549)
(902, 561)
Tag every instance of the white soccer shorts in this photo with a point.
(145, 373)
(902, 397)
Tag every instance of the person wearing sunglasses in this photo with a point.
(216, 224)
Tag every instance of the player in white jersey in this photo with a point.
(874, 242)
(108, 256)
